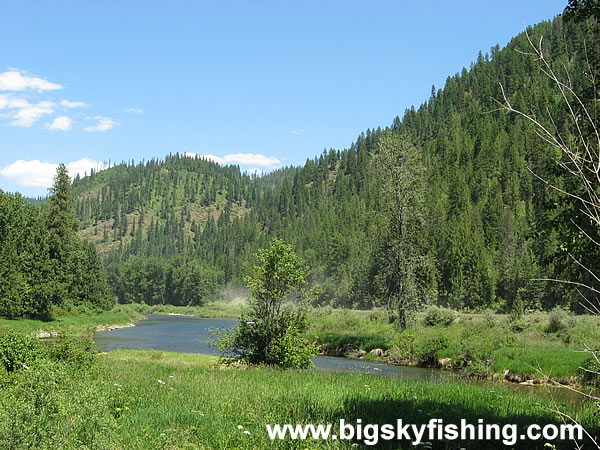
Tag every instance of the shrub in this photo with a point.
(272, 332)
(292, 349)
(558, 320)
(426, 347)
(591, 370)
(436, 315)
(18, 351)
(80, 352)
(402, 349)
(53, 405)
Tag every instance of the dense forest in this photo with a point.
(487, 229)
(43, 263)
(451, 203)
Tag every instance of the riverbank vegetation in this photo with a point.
(484, 345)
(74, 322)
(151, 399)
(271, 330)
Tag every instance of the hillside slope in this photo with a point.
(491, 226)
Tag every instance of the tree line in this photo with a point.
(43, 262)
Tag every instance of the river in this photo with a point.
(174, 333)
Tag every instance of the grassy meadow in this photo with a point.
(152, 399)
(82, 323)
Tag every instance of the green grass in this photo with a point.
(151, 399)
(201, 404)
(556, 361)
(345, 330)
(84, 324)
(210, 310)
(481, 344)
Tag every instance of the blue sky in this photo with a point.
(260, 84)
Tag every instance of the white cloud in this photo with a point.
(83, 166)
(62, 123)
(298, 131)
(69, 104)
(252, 159)
(23, 113)
(256, 171)
(31, 113)
(134, 110)
(8, 101)
(102, 124)
(209, 157)
(245, 159)
(26, 108)
(36, 173)
(15, 81)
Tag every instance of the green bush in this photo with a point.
(78, 351)
(19, 351)
(436, 315)
(585, 332)
(272, 331)
(292, 349)
(591, 369)
(402, 349)
(426, 347)
(52, 396)
(281, 343)
(558, 320)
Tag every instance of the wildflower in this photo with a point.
(171, 376)
(247, 432)
(240, 427)
(161, 382)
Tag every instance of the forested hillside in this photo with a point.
(484, 230)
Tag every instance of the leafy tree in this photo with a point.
(400, 172)
(272, 331)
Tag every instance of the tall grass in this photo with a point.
(346, 330)
(202, 405)
(68, 398)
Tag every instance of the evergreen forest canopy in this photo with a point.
(446, 206)
(43, 263)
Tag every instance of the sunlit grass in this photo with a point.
(198, 403)
(84, 324)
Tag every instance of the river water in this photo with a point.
(174, 333)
